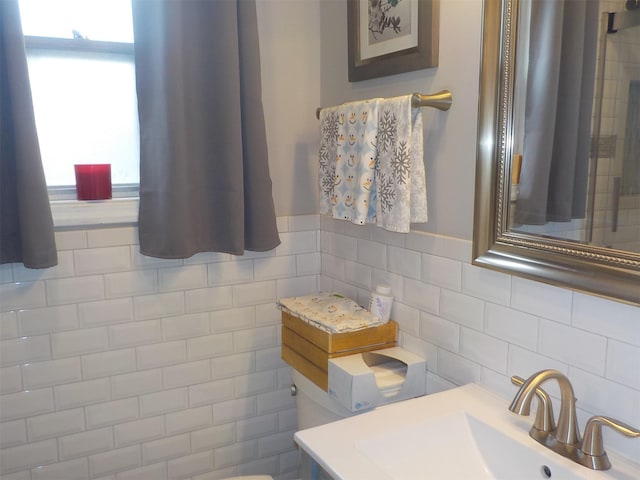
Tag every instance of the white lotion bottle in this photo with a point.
(380, 302)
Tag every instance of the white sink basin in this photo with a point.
(464, 433)
(458, 446)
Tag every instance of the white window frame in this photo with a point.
(66, 210)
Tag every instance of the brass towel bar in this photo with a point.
(441, 100)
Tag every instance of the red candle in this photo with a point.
(93, 181)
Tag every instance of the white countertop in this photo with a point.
(338, 447)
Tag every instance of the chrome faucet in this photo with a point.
(565, 438)
(592, 449)
(545, 421)
(566, 433)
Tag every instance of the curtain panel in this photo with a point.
(559, 98)
(204, 174)
(26, 225)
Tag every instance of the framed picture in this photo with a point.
(391, 36)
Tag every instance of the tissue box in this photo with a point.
(357, 381)
(308, 349)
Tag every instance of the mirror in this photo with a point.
(545, 98)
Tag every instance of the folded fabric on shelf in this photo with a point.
(330, 312)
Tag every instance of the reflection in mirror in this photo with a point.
(576, 141)
(558, 172)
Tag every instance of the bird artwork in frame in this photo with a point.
(387, 37)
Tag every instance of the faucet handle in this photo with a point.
(544, 420)
(592, 447)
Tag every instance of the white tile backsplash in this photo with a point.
(16, 296)
(70, 470)
(82, 393)
(55, 424)
(190, 465)
(570, 345)
(149, 472)
(484, 349)
(13, 433)
(213, 437)
(110, 413)
(182, 278)
(208, 299)
(105, 312)
(170, 447)
(73, 290)
(210, 392)
(420, 295)
(526, 295)
(135, 333)
(151, 373)
(404, 262)
(187, 374)
(161, 354)
(23, 475)
(274, 267)
(235, 454)
(462, 309)
(47, 320)
(24, 349)
(157, 306)
(606, 318)
(108, 363)
(90, 261)
(10, 380)
(232, 365)
(623, 361)
(85, 443)
(254, 293)
(227, 273)
(511, 325)
(53, 372)
(139, 431)
(136, 383)
(26, 404)
(185, 326)
(210, 346)
(108, 237)
(115, 461)
(127, 284)
(441, 271)
(370, 253)
(30, 455)
(486, 284)
(163, 402)
(187, 420)
(8, 325)
(79, 342)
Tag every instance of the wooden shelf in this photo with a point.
(308, 349)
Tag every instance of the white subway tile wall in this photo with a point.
(121, 366)
(125, 367)
(477, 325)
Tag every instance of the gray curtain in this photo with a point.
(204, 175)
(560, 87)
(26, 226)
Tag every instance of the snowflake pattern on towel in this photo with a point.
(371, 163)
(400, 176)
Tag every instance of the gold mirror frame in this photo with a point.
(609, 273)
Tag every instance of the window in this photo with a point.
(81, 69)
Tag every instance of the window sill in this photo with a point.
(97, 213)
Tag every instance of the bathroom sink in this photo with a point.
(461, 434)
(458, 446)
